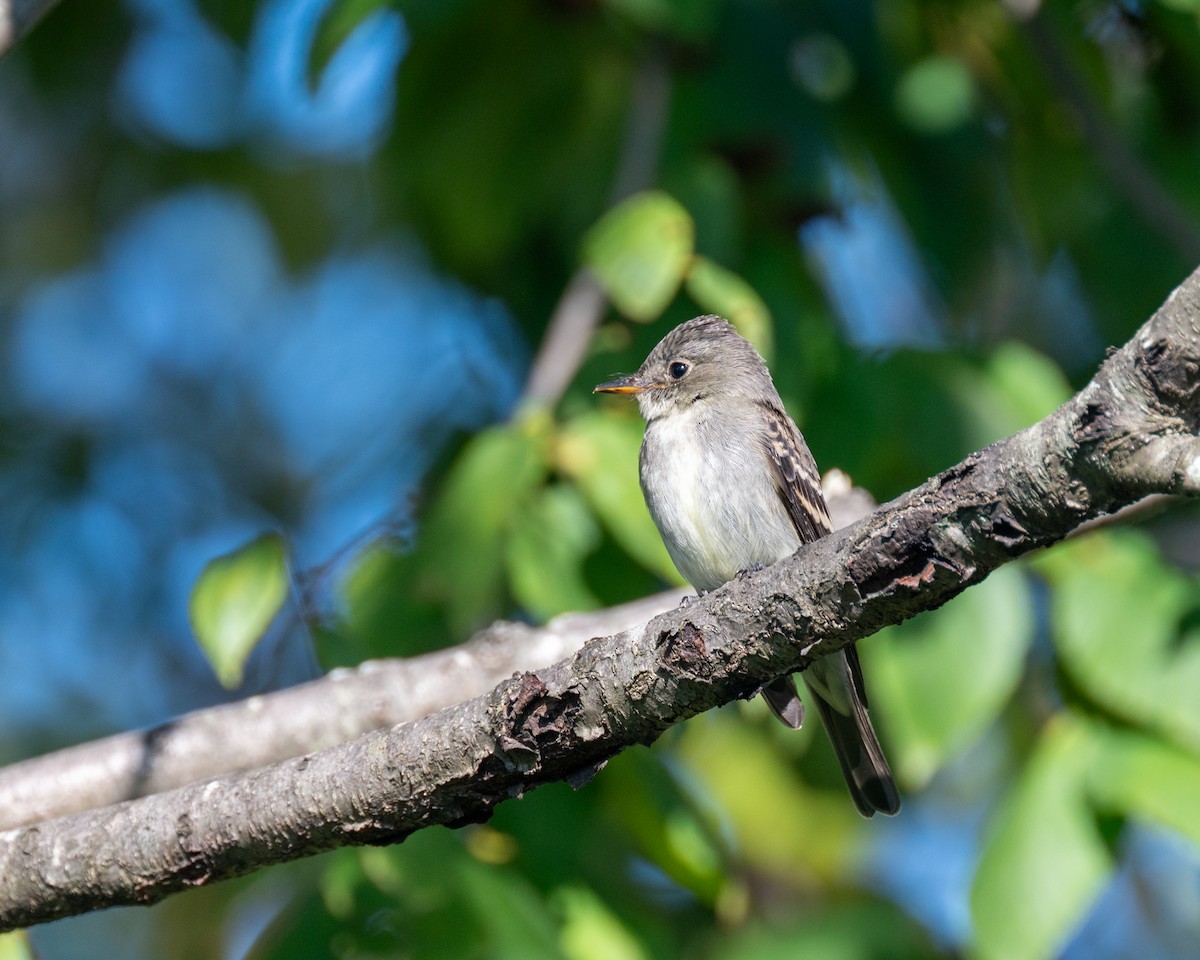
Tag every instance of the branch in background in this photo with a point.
(17, 18)
(1131, 432)
(312, 716)
(582, 304)
(1146, 195)
(272, 727)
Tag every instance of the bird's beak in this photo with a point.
(629, 384)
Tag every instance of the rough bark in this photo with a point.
(1131, 432)
(272, 727)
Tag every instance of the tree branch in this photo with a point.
(582, 303)
(311, 716)
(268, 728)
(17, 18)
(1132, 431)
(1146, 194)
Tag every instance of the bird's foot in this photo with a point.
(747, 571)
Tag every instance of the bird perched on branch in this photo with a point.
(732, 486)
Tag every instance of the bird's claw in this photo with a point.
(747, 571)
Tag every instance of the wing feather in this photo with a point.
(796, 479)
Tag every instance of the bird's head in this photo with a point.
(702, 360)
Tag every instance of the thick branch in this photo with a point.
(276, 726)
(1094, 455)
(312, 716)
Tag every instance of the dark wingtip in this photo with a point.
(783, 699)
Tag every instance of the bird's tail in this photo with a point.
(836, 685)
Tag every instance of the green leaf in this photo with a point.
(591, 931)
(599, 452)
(15, 946)
(691, 19)
(234, 601)
(1146, 778)
(781, 826)
(647, 14)
(549, 541)
(1044, 861)
(938, 694)
(463, 540)
(854, 929)
(1120, 619)
(936, 95)
(672, 820)
(514, 919)
(722, 291)
(1018, 387)
(640, 251)
(1030, 383)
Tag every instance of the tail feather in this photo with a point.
(781, 696)
(863, 764)
(836, 687)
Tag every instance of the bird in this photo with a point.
(732, 486)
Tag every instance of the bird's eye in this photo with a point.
(678, 369)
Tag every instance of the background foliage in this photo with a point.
(271, 279)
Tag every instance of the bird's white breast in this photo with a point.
(710, 491)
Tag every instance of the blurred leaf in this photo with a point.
(685, 18)
(385, 608)
(1143, 777)
(489, 845)
(860, 930)
(1122, 624)
(1044, 861)
(924, 411)
(709, 189)
(516, 922)
(823, 66)
(591, 931)
(234, 600)
(425, 898)
(672, 819)
(1016, 387)
(338, 22)
(15, 946)
(649, 14)
(940, 680)
(549, 540)
(722, 291)
(780, 825)
(599, 451)
(640, 251)
(464, 540)
(1031, 384)
(936, 94)
(339, 884)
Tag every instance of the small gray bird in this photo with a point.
(732, 486)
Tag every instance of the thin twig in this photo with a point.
(582, 303)
(1146, 195)
(17, 18)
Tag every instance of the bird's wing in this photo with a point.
(795, 474)
(799, 486)
(835, 681)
